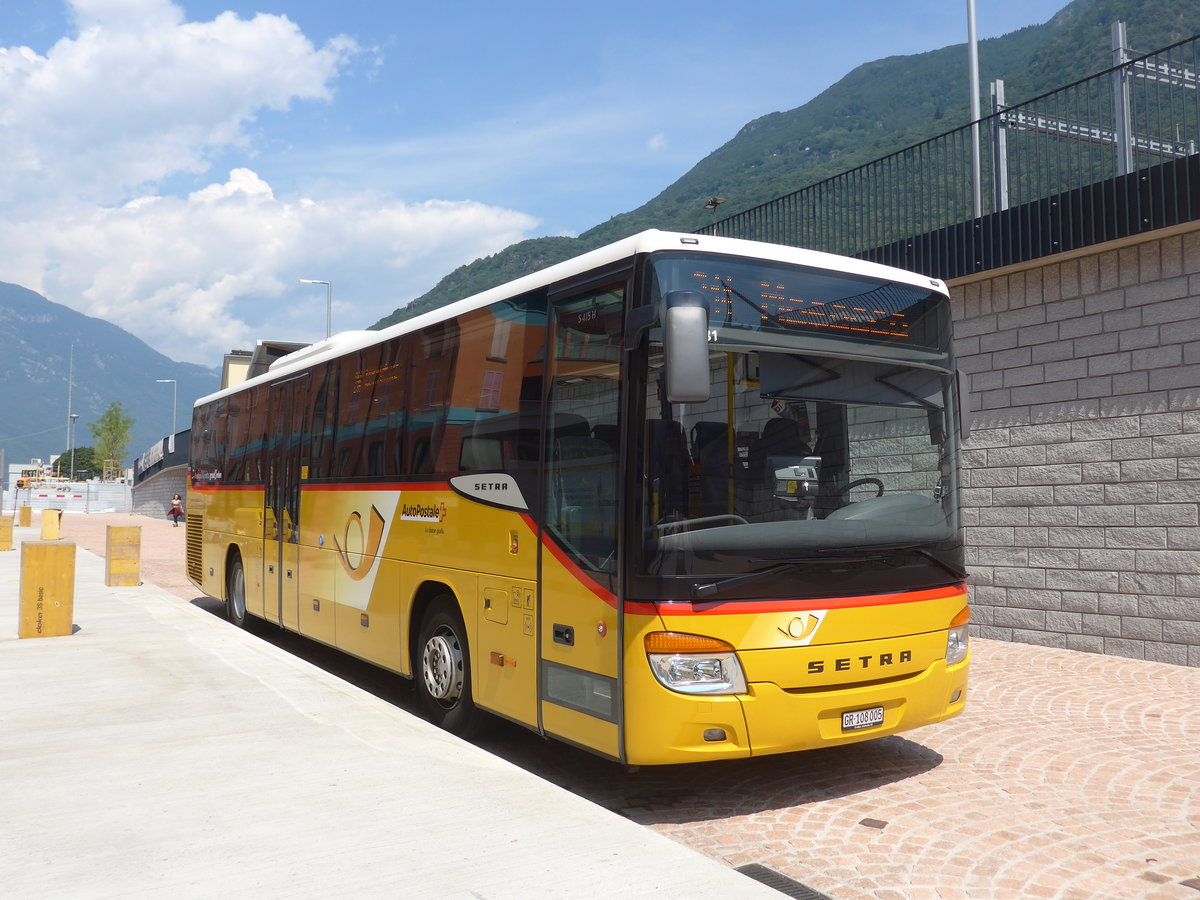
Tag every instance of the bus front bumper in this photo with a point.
(678, 728)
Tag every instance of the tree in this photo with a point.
(111, 433)
(86, 460)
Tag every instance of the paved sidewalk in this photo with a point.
(1071, 776)
(159, 752)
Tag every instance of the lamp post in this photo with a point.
(713, 203)
(328, 302)
(71, 441)
(174, 398)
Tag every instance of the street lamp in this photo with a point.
(74, 416)
(328, 302)
(174, 398)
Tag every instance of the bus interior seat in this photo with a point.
(781, 444)
(608, 432)
(780, 438)
(481, 455)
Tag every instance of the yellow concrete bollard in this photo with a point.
(47, 588)
(26, 516)
(51, 524)
(6, 532)
(123, 556)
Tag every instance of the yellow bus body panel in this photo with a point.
(880, 654)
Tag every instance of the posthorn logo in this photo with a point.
(802, 629)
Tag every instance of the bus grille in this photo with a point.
(195, 544)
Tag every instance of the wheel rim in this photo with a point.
(237, 592)
(442, 667)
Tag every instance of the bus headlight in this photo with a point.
(694, 664)
(958, 640)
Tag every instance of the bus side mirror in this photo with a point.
(685, 345)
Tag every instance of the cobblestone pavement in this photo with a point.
(1071, 776)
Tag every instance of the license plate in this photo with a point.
(862, 718)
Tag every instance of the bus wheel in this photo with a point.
(235, 592)
(444, 680)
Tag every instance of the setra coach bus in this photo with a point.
(681, 498)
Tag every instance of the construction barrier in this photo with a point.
(47, 588)
(123, 556)
(26, 516)
(51, 524)
(6, 532)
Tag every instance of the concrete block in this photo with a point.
(1175, 654)
(1117, 605)
(1039, 638)
(123, 556)
(51, 524)
(47, 588)
(1124, 647)
(6, 532)
(1181, 562)
(1100, 386)
(1085, 643)
(1183, 538)
(25, 516)
(1142, 629)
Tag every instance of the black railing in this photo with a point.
(1107, 157)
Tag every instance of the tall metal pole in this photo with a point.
(999, 149)
(70, 385)
(328, 302)
(973, 64)
(1122, 114)
(71, 440)
(174, 398)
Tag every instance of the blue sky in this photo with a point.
(178, 166)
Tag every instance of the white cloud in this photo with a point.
(138, 94)
(195, 277)
(657, 143)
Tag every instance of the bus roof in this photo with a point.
(648, 241)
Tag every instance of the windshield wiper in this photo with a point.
(700, 591)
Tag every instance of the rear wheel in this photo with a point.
(235, 591)
(443, 677)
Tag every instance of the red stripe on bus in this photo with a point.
(752, 607)
(581, 576)
(380, 486)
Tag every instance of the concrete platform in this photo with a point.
(159, 752)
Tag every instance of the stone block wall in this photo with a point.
(1082, 474)
(153, 496)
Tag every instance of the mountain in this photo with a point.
(109, 365)
(878, 108)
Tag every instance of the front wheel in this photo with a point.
(443, 677)
(235, 592)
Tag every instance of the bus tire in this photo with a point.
(235, 591)
(443, 669)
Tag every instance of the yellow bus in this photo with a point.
(681, 498)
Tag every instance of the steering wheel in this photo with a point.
(861, 481)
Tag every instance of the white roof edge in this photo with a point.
(644, 242)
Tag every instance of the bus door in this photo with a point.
(580, 627)
(282, 503)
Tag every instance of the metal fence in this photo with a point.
(1109, 156)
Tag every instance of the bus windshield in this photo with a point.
(808, 466)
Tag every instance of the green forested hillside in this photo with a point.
(876, 109)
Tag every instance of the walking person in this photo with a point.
(176, 509)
